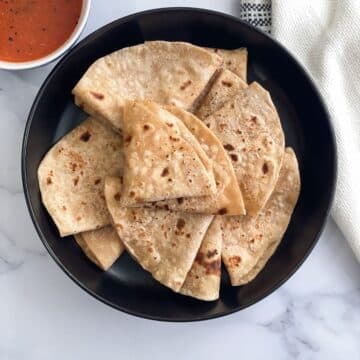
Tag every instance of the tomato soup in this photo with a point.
(31, 29)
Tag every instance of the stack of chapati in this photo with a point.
(182, 163)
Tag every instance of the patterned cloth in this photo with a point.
(257, 13)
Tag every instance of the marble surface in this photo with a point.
(44, 315)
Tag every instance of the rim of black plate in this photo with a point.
(91, 37)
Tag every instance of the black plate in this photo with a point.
(304, 118)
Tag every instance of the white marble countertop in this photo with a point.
(44, 315)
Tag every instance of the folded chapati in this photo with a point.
(250, 130)
(249, 241)
(173, 73)
(179, 139)
(203, 279)
(164, 243)
(71, 177)
(162, 159)
(228, 198)
(103, 246)
(234, 60)
(225, 87)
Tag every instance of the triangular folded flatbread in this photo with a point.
(162, 159)
(234, 60)
(228, 198)
(203, 279)
(250, 130)
(172, 73)
(226, 86)
(71, 177)
(103, 246)
(164, 243)
(249, 241)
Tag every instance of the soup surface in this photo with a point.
(31, 29)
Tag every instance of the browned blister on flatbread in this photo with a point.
(71, 177)
(234, 60)
(164, 243)
(227, 199)
(172, 73)
(203, 279)
(162, 159)
(225, 87)
(249, 241)
(250, 130)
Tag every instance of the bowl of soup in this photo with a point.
(36, 32)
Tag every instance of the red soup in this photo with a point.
(31, 29)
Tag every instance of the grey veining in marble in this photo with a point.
(44, 315)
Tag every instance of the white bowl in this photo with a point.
(8, 65)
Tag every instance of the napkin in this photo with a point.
(324, 35)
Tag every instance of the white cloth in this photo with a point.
(325, 36)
